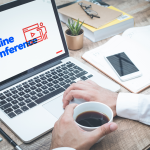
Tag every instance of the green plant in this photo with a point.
(74, 27)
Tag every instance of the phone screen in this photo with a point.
(122, 64)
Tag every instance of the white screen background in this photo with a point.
(14, 20)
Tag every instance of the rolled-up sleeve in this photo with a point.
(134, 106)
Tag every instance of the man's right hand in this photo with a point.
(90, 91)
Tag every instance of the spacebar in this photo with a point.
(50, 95)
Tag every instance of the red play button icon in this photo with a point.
(32, 34)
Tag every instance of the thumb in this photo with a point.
(103, 130)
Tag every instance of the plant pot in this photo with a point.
(74, 42)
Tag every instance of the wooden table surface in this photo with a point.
(131, 135)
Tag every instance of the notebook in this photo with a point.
(135, 43)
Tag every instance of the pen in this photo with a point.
(9, 140)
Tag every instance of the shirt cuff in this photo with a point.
(127, 105)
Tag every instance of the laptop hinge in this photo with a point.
(30, 73)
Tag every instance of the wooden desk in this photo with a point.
(131, 135)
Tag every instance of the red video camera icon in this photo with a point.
(35, 32)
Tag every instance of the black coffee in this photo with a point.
(92, 119)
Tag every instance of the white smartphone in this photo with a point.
(123, 66)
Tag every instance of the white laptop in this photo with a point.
(35, 68)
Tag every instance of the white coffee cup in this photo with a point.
(92, 106)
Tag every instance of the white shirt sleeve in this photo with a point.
(134, 106)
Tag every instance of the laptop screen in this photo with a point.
(29, 36)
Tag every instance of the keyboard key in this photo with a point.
(15, 96)
(12, 115)
(8, 94)
(81, 74)
(43, 78)
(45, 92)
(66, 76)
(39, 85)
(24, 83)
(57, 86)
(7, 111)
(72, 82)
(32, 83)
(33, 87)
(26, 86)
(84, 78)
(49, 79)
(38, 90)
(89, 76)
(20, 89)
(47, 72)
(21, 93)
(27, 96)
(62, 83)
(71, 74)
(14, 102)
(60, 79)
(5, 92)
(76, 71)
(31, 80)
(30, 105)
(58, 67)
(70, 69)
(6, 106)
(55, 81)
(65, 72)
(18, 86)
(9, 99)
(15, 107)
(3, 103)
(67, 81)
(24, 108)
(59, 70)
(55, 77)
(39, 94)
(51, 89)
(20, 99)
(60, 74)
(27, 90)
(48, 75)
(14, 91)
(18, 111)
(50, 95)
(68, 62)
(37, 80)
(70, 65)
(72, 78)
(54, 73)
(64, 68)
(28, 100)
(44, 87)
(2, 97)
(49, 84)
(44, 82)
(33, 93)
(12, 88)
(66, 86)
(34, 97)
(21, 104)
(41, 75)
(36, 77)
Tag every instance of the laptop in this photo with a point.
(35, 68)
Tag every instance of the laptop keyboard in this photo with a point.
(40, 88)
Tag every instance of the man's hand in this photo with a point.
(67, 133)
(90, 91)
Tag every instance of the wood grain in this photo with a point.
(131, 135)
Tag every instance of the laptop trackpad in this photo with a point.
(55, 107)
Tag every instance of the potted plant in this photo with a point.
(74, 35)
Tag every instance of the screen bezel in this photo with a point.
(32, 71)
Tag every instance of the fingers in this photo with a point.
(75, 94)
(69, 110)
(103, 130)
(80, 85)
